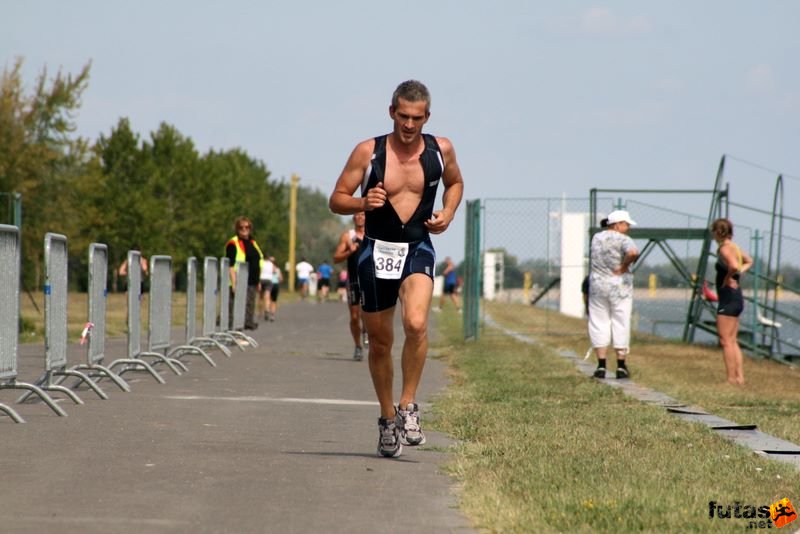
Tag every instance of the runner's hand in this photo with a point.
(376, 197)
(438, 222)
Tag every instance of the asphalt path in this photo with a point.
(278, 438)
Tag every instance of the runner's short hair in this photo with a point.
(413, 91)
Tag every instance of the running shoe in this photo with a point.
(388, 439)
(600, 372)
(358, 354)
(408, 422)
(622, 372)
(365, 338)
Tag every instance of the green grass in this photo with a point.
(542, 448)
(32, 317)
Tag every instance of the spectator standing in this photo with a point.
(731, 262)
(611, 294)
(123, 269)
(243, 248)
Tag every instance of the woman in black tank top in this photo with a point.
(731, 262)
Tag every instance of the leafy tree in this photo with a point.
(158, 194)
(318, 229)
(38, 156)
(234, 184)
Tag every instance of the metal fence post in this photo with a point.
(10, 258)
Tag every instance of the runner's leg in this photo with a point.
(416, 293)
(381, 336)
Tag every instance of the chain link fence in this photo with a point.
(534, 251)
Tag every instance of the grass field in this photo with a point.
(543, 448)
(116, 313)
(77, 314)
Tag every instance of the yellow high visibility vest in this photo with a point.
(240, 256)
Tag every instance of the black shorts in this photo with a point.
(273, 292)
(449, 289)
(266, 285)
(731, 302)
(378, 294)
(353, 294)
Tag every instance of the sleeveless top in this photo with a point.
(383, 223)
(722, 268)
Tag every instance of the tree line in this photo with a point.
(158, 194)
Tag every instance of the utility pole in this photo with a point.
(292, 230)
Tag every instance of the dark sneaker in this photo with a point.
(622, 372)
(600, 372)
(358, 354)
(408, 423)
(388, 438)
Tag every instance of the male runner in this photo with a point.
(347, 249)
(399, 174)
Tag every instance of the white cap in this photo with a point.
(620, 216)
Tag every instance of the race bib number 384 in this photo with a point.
(389, 259)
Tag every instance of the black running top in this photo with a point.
(383, 223)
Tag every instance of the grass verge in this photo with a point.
(542, 448)
(32, 314)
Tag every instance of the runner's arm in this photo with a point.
(453, 189)
(343, 249)
(342, 200)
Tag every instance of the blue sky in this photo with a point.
(540, 99)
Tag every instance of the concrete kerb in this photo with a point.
(746, 435)
(277, 438)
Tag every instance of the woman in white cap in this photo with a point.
(611, 291)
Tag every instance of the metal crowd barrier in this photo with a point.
(224, 331)
(95, 330)
(240, 296)
(240, 305)
(213, 323)
(135, 352)
(164, 340)
(56, 261)
(224, 296)
(210, 280)
(159, 269)
(192, 339)
(9, 322)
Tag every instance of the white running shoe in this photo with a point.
(408, 423)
